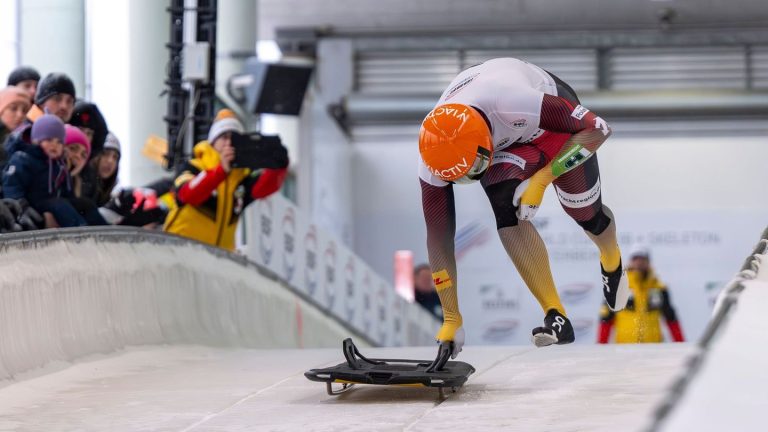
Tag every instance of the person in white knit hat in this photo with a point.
(211, 194)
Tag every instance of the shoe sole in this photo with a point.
(543, 339)
(622, 294)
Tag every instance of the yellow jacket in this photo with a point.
(640, 321)
(214, 221)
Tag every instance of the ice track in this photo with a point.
(194, 388)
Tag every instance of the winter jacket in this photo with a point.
(210, 201)
(31, 175)
(640, 321)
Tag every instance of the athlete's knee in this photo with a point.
(597, 224)
(501, 195)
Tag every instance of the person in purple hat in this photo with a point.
(38, 174)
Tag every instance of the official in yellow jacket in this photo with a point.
(640, 321)
(211, 194)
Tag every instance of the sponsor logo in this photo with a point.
(329, 279)
(519, 123)
(575, 292)
(442, 280)
(451, 172)
(602, 125)
(537, 134)
(469, 237)
(367, 306)
(509, 158)
(349, 288)
(503, 143)
(500, 331)
(310, 260)
(494, 298)
(265, 233)
(580, 200)
(461, 114)
(579, 112)
(458, 87)
(289, 243)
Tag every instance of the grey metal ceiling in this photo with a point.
(352, 16)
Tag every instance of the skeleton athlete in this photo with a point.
(515, 128)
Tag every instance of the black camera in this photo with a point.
(256, 151)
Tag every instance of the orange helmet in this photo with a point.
(455, 143)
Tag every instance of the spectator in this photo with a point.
(100, 175)
(639, 322)
(88, 118)
(25, 78)
(77, 149)
(211, 194)
(424, 290)
(14, 105)
(55, 95)
(37, 174)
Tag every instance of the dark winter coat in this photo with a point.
(31, 175)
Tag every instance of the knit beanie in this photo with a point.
(87, 115)
(112, 143)
(76, 136)
(48, 126)
(53, 84)
(225, 121)
(22, 73)
(10, 95)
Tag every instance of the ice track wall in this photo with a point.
(66, 294)
(724, 387)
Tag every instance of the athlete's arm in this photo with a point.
(671, 317)
(440, 217)
(588, 132)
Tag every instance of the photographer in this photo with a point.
(212, 194)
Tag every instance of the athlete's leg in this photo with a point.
(520, 239)
(579, 194)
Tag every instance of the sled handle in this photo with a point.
(351, 353)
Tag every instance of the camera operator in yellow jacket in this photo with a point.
(640, 321)
(211, 194)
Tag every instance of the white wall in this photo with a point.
(128, 59)
(9, 44)
(696, 202)
(53, 38)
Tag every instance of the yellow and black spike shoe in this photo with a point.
(557, 329)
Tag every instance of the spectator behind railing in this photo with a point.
(14, 104)
(639, 322)
(55, 95)
(26, 79)
(77, 149)
(88, 118)
(99, 176)
(37, 174)
(212, 217)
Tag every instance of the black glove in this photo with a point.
(7, 220)
(123, 203)
(30, 219)
(141, 217)
(15, 206)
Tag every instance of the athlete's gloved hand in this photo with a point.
(452, 332)
(530, 193)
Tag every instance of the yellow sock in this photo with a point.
(529, 254)
(449, 300)
(610, 254)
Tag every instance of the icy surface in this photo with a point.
(192, 388)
